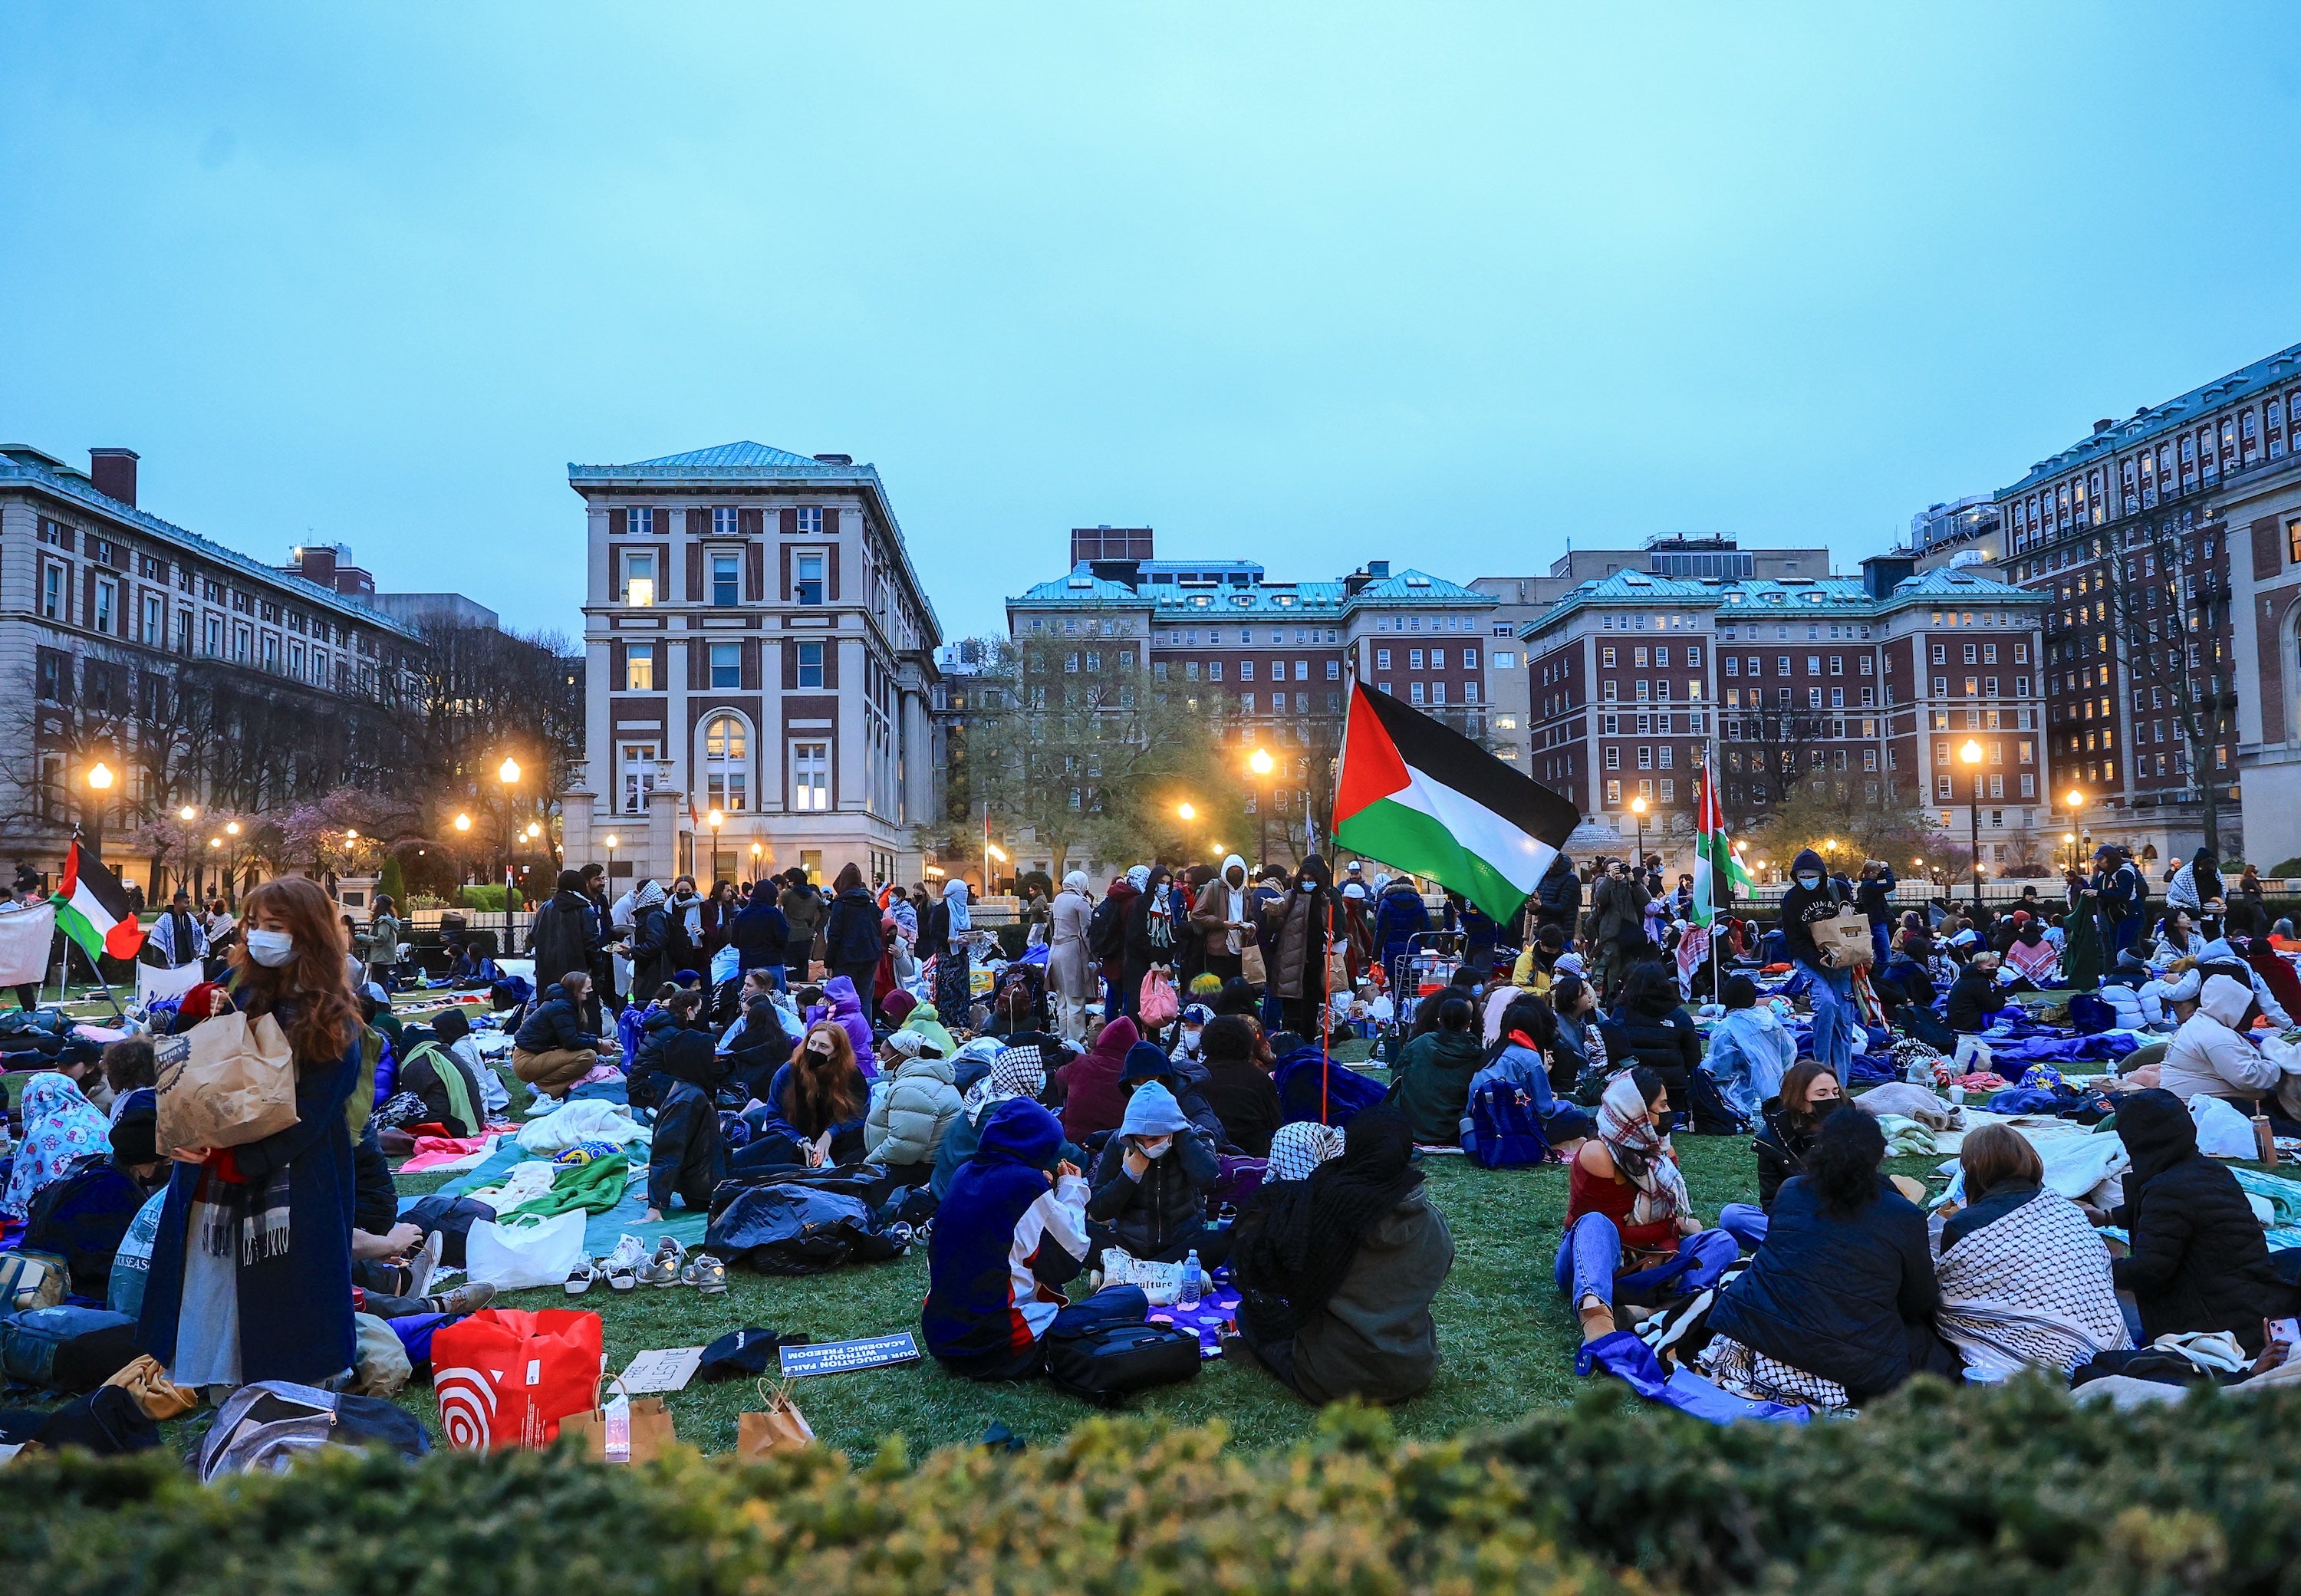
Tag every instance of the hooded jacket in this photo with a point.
(554, 1024)
(843, 1004)
(909, 1119)
(1186, 1081)
(761, 931)
(2208, 1055)
(449, 1089)
(1666, 1043)
(851, 934)
(1218, 905)
(1557, 896)
(651, 940)
(1094, 1100)
(1003, 1240)
(1750, 1051)
(1399, 915)
(1432, 1084)
(566, 935)
(1245, 1102)
(688, 1154)
(1801, 905)
(2199, 1258)
(1160, 1216)
(644, 1085)
(1974, 1000)
(802, 909)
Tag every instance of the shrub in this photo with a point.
(488, 900)
(2283, 870)
(1980, 1492)
(391, 882)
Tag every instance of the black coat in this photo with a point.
(650, 951)
(554, 1024)
(2199, 1259)
(566, 935)
(851, 935)
(1781, 1147)
(760, 935)
(1241, 1093)
(1667, 1044)
(688, 1156)
(647, 1083)
(1836, 1296)
(1558, 897)
(1974, 1001)
(420, 1074)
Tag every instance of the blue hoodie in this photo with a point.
(1002, 1241)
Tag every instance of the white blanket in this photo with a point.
(586, 1119)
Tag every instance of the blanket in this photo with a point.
(577, 1122)
(601, 1234)
(2031, 1289)
(1744, 1371)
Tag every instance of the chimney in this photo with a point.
(316, 564)
(2103, 426)
(114, 472)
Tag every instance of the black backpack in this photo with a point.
(1102, 1349)
(1106, 929)
(82, 1218)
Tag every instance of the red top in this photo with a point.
(1587, 1193)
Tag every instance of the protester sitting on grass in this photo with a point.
(2025, 1279)
(2209, 1055)
(688, 1156)
(677, 1012)
(1809, 1094)
(761, 1048)
(1837, 1308)
(1147, 1062)
(1626, 1207)
(1574, 1002)
(1750, 1049)
(1016, 1071)
(1651, 1028)
(61, 1126)
(1151, 1184)
(813, 1110)
(1975, 998)
(449, 1088)
(1093, 1101)
(376, 1013)
(2198, 1261)
(1238, 1086)
(1012, 1230)
(1431, 1082)
(1517, 1062)
(912, 1110)
(2033, 958)
(1336, 1273)
(551, 1050)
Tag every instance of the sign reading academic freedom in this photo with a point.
(838, 1357)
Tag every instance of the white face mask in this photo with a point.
(271, 949)
(1809, 881)
(1190, 1037)
(1153, 1149)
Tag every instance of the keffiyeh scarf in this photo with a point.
(1014, 1072)
(1643, 1154)
(1298, 1148)
(2032, 1288)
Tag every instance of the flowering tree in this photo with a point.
(344, 832)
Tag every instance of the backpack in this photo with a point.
(131, 1265)
(1104, 1350)
(1709, 1113)
(2090, 1016)
(1505, 1131)
(66, 1348)
(1106, 929)
(82, 1217)
(31, 1280)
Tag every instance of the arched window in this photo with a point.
(727, 764)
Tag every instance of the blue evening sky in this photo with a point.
(1311, 284)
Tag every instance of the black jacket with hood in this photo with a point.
(2199, 1258)
(1803, 905)
(566, 933)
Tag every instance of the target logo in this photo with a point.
(467, 1406)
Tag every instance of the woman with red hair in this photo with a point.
(251, 1271)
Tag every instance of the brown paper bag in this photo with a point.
(228, 1081)
(160, 1397)
(782, 1428)
(1844, 940)
(641, 1438)
(1251, 965)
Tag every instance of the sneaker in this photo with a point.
(622, 1267)
(706, 1274)
(422, 1263)
(467, 1298)
(580, 1278)
(662, 1269)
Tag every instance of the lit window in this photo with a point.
(639, 667)
(639, 579)
(810, 767)
(726, 749)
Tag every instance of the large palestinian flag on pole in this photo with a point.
(1713, 855)
(92, 909)
(1417, 794)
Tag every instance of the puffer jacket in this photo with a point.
(1665, 1043)
(2199, 1261)
(1160, 1216)
(845, 1007)
(1558, 897)
(1781, 1145)
(909, 1119)
(645, 1081)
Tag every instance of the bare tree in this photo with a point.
(1769, 752)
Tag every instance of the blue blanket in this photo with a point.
(601, 1230)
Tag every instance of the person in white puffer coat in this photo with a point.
(915, 1109)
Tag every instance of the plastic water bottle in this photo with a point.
(1194, 1281)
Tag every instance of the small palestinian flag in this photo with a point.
(93, 911)
(1416, 795)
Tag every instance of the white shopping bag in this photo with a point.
(726, 965)
(526, 1250)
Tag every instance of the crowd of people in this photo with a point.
(1113, 1099)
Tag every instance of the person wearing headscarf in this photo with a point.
(1224, 916)
(1152, 927)
(2198, 1260)
(912, 1111)
(1337, 1272)
(2033, 959)
(1015, 1071)
(1627, 1208)
(650, 950)
(688, 1156)
(1294, 936)
(1070, 964)
(1298, 1150)
(1238, 1086)
(944, 941)
(60, 1125)
(2197, 886)
(1149, 1186)
(1011, 1230)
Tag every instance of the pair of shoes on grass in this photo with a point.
(628, 1267)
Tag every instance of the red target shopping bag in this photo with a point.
(505, 1378)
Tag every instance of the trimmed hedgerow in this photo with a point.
(1941, 1491)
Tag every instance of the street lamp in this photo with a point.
(1186, 812)
(991, 851)
(99, 783)
(1638, 808)
(1971, 756)
(508, 772)
(1261, 764)
(611, 863)
(715, 820)
(2077, 800)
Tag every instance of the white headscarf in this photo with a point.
(954, 898)
(1076, 882)
(1237, 902)
(1139, 877)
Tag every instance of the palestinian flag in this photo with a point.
(93, 911)
(1714, 855)
(1422, 797)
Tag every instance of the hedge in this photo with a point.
(1935, 1491)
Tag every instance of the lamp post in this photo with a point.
(715, 820)
(1638, 808)
(2077, 824)
(232, 863)
(1971, 756)
(611, 865)
(463, 832)
(758, 855)
(991, 851)
(508, 772)
(99, 786)
(1261, 764)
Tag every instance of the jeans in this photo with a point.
(1590, 1259)
(1880, 944)
(1836, 1021)
(1745, 1221)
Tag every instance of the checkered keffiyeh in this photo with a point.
(1298, 1148)
(1750, 1373)
(1014, 1072)
(2032, 1288)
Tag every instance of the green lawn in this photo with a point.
(1507, 1337)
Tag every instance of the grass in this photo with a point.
(1506, 1336)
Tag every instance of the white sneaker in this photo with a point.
(663, 1270)
(622, 1267)
(580, 1278)
(422, 1263)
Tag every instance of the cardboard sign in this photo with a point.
(669, 1368)
(837, 1357)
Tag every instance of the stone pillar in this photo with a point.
(920, 774)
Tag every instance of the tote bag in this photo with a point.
(1156, 1004)
(507, 1377)
(526, 1250)
(226, 1081)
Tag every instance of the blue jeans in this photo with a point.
(1590, 1259)
(1745, 1221)
(1836, 1021)
(1880, 944)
